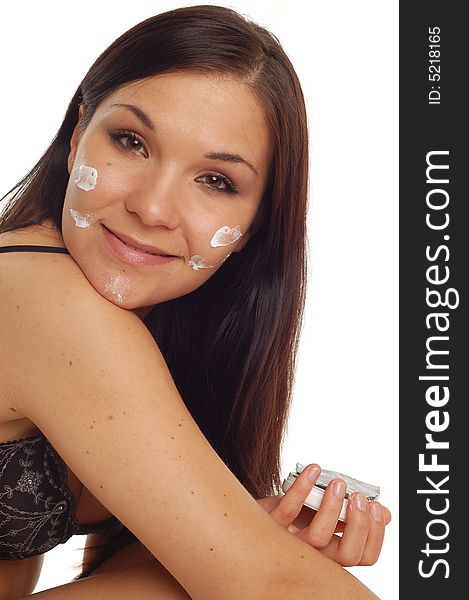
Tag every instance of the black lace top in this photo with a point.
(37, 508)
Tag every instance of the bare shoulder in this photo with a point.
(43, 296)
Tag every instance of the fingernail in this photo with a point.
(340, 488)
(360, 502)
(314, 472)
(376, 512)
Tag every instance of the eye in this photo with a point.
(133, 143)
(220, 183)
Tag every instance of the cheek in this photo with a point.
(94, 185)
(114, 182)
(216, 247)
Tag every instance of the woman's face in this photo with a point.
(177, 162)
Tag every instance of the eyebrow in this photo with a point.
(138, 112)
(231, 158)
(145, 119)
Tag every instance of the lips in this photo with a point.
(134, 253)
(146, 248)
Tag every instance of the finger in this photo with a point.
(374, 541)
(322, 527)
(386, 517)
(356, 530)
(291, 503)
(386, 514)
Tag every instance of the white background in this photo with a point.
(345, 408)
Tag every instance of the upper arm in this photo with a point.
(96, 384)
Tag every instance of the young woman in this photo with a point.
(152, 277)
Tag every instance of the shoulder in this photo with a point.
(49, 312)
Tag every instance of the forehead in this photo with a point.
(218, 110)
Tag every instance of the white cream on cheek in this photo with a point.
(197, 262)
(84, 177)
(225, 236)
(222, 237)
(82, 220)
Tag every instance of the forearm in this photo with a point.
(287, 568)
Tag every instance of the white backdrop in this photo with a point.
(345, 408)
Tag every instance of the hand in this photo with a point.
(362, 534)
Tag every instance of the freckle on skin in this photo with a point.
(192, 492)
(100, 486)
(225, 514)
(211, 549)
(70, 362)
(87, 452)
(302, 555)
(17, 306)
(172, 437)
(91, 427)
(179, 425)
(110, 417)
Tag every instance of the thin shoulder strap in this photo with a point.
(27, 248)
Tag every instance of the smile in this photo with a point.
(133, 255)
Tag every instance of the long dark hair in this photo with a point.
(231, 344)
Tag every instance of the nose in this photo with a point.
(157, 199)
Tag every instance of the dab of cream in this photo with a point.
(118, 286)
(82, 220)
(84, 177)
(225, 236)
(197, 262)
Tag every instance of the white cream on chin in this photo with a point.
(118, 286)
(222, 237)
(84, 177)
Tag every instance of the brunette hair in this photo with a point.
(231, 344)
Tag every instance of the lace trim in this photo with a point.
(37, 508)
